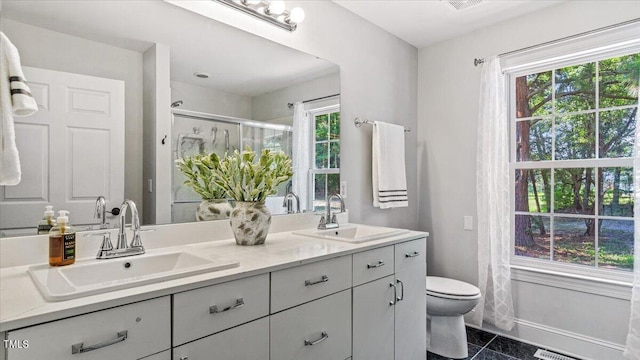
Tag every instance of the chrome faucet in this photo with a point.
(288, 202)
(135, 227)
(329, 221)
(101, 212)
(122, 248)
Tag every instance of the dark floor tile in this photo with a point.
(479, 337)
(487, 354)
(513, 348)
(473, 349)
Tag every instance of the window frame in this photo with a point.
(551, 58)
(313, 171)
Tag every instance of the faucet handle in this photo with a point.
(334, 219)
(137, 241)
(106, 245)
(323, 221)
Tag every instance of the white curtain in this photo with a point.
(494, 231)
(632, 349)
(301, 160)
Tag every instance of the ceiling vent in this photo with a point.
(464, 4)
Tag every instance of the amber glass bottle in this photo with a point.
(62, 242)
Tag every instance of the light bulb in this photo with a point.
(296, 15)
(253, 2)
(276, 7)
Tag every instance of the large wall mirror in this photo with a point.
(86, 63)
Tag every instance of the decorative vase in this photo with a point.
(213, 209)
(250, 222)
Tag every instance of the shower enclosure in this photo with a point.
(200, 133)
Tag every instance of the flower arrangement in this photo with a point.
(237, 176)
(200, 176)
(245, 179)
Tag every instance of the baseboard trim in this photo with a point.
(559, 340)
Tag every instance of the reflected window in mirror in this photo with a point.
(325, 152)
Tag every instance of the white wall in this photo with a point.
(378, 75)
(273, 105)
(210, 101)
(447, 113)
(51, 50)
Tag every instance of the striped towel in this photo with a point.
(15, 100)
(388, 166)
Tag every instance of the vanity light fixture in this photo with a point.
(273, 12)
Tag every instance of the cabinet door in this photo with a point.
(318, 330)
(373, 320)
(126, 332)
(247, 342)
(411, 308)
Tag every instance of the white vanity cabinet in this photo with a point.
(131, 331)
(350, 305)
(389, 314)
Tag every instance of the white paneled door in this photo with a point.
(71, 150)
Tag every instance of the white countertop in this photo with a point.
(21, 304)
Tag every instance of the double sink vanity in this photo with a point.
(352, 292)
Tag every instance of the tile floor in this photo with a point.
(488, 346)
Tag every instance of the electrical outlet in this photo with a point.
(468, 223)
(343, 189)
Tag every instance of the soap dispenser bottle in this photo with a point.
(62, 241)
(47, 222)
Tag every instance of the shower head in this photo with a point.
(176, 103)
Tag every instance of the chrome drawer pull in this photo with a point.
(380, 263)
(413, 254)
(324, 278)
(324, 337)
(80, 348)
(401, 297)
(213, 309)
(395, 293)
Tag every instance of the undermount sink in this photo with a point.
(98, 276)
(353, 233)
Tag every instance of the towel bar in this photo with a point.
(358, 123)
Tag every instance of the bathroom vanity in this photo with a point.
(296, 297)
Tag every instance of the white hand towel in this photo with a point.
(15, 99)
(388, 167)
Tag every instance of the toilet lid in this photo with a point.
(445, 286)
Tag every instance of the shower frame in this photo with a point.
(218, 118)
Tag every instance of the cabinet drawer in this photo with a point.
(325, 322)
(246, 342)
(294, 286)
(147, 325)
(201, 312)
(372, 264)
(411, 255)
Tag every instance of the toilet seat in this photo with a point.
(451, 289)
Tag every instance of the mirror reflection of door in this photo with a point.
(71, 150)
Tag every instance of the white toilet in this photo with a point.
(447, 301)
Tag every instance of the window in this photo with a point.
(572, 134)
(325, 161)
